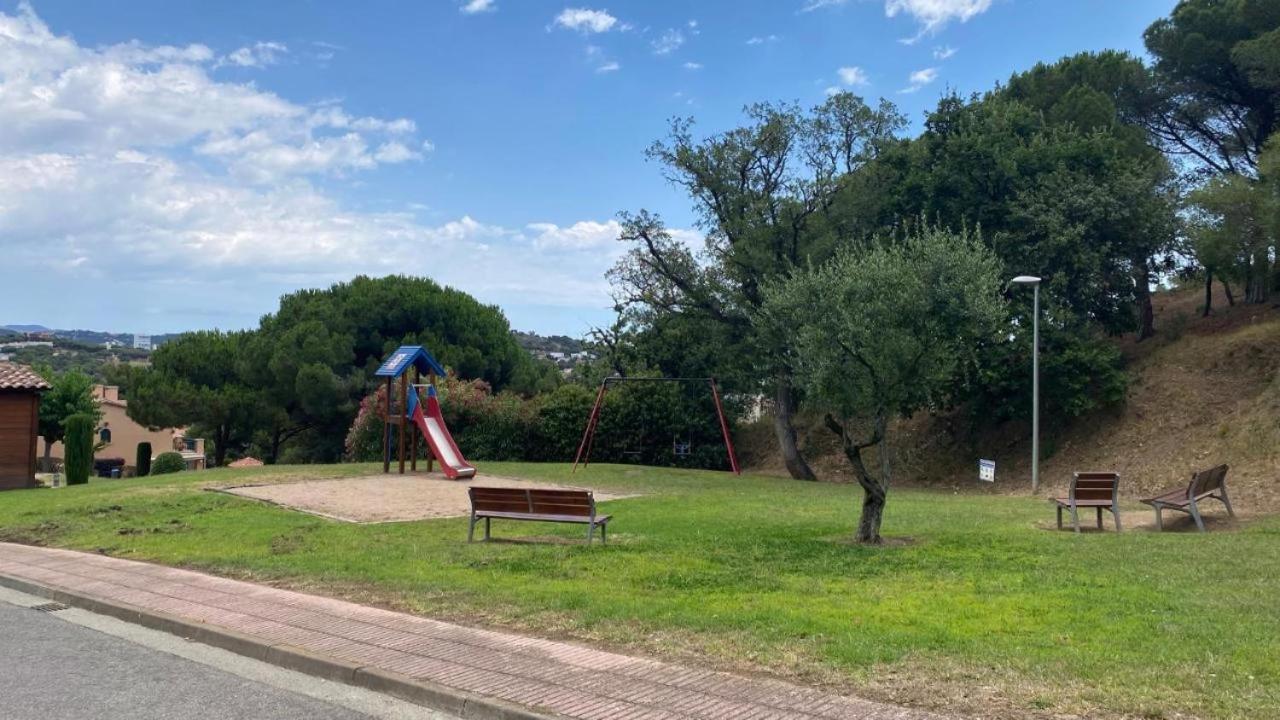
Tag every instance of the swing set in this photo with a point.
(680, 449)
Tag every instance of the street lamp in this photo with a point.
(1034, 282)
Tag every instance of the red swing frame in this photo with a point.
(589, 434)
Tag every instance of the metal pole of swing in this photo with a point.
(1034, 282)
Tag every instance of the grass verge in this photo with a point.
(973, 608)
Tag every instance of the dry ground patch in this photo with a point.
(387, 498)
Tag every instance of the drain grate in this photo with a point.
(49, 607)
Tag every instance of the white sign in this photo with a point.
(987, 470)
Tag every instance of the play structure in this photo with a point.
(679, 448)
(426, 417)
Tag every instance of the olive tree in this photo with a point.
(881, 330)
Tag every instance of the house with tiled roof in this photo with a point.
(20, 389)
(118, 435)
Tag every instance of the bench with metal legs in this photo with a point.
(1211, 483)
(1097, 490)
(535, 504)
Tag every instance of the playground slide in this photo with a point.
(431, 423)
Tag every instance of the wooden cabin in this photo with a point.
(20, 389)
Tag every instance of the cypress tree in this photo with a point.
(143, 461)
(78, 444)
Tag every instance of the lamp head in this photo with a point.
(1026, 280)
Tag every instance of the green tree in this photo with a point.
(78, 444)
(195, 379)
(1075, 195)
(1110, 96)
(762, 193)
(1235, 234)
(312, 361)
(1217, 73)
(70, 393)
(884, 329)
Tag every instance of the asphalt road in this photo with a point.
(73, 665)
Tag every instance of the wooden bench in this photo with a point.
(1211, 483)
(1099, 490)
(561, 506)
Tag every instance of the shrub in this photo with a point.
(170, 462)
(143, 459)
(562, 415)
(78, 443)
(364, 439)
(640, 423)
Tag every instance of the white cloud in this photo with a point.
(596, 56)
(585, 235)
(932, 15)
(668, 42)
(59, 97)
(258, 55)
(195, 195)
(134, 53)
(919, 79)
(693, 66)
(145, 221)
(762, 39)
(943, 52)
(853, 76)
(585, 20)
(473, 7)
(395, 152)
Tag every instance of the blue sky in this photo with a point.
(171, 165)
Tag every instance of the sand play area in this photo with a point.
(386, 498)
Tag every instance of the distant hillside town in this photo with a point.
(565, 352)
(89, 350)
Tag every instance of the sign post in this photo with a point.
(987, 470)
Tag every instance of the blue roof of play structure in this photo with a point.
(409, 356)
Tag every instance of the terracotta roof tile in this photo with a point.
(20, 377)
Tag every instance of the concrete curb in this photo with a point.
(428, 694)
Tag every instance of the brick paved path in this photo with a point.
(553, 678)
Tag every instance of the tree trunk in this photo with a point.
(1146, 316)
(869, 524)
(874, 491)
(220, 438)
(1226, 289)
(1259, 270)
(277, 437)
(1208, 293)
(784, 406)
(47, 463)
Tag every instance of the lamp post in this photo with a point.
(1034, 282)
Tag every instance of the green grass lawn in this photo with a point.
(973, 607)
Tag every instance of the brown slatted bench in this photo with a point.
(562, 506)
(1100, 490)
(1211, 483)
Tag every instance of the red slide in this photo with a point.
(431, 424)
